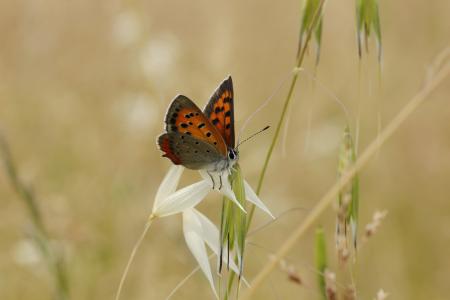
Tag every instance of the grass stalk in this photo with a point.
(132, 255)
(53, 258)
(330, 196)
(287, 101)
(320, 253)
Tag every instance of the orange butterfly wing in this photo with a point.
(184, 116)
(220, 111)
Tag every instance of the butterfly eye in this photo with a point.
(231, 155)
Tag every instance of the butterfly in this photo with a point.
(201, 140)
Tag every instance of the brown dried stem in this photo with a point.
(330, 196)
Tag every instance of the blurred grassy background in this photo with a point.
(84, 86)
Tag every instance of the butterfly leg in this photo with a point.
(212, 179)
(220, 180)
(221, 258)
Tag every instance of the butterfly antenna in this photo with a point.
(253, 135)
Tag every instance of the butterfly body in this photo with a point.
(201, 140)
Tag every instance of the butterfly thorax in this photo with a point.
(224, 164)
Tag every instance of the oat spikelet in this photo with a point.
(381, 295)
(348, 199)
(373, 226)
(291, 271)
(368, 21)
(330, 284)
(349, 293)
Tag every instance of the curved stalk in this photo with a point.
(132, 255)
(330, 196)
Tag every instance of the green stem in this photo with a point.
(287, 101)
(300, 59)
(23, 191)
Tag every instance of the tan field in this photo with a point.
(84, 87)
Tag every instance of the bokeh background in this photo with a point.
(84, 86)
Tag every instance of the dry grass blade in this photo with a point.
(330, 196)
